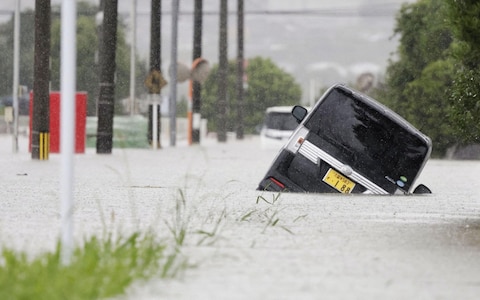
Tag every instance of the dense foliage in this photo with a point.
(432, 83)
(266, 85)
(27, 37)
(99, 269)
(87, 62)
(417, 82)
(465, 90)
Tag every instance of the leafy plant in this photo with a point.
(211, 235)
(417, 81)
(433, 83)
(100, 268)
(268, 85)
(179, 226)
(269, 216)
(465, 111)
(275, 197)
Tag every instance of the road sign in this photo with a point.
(200, 70)
(155, 82)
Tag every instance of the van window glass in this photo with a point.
(374, 145)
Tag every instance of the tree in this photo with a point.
(268, 85)
(434, 83)
(429, 110)
(465, 24)
(26, 52)
(465, 90)
(465, 110)
(87, 70)
(87, 74)
(87, 62)
(417, 83)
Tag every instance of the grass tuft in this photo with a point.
(211, 236)
(269, 216)
(98, 269)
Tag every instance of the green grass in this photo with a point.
(105, 267)
(98, 269)
(270, 216)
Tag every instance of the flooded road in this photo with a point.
(260, 245)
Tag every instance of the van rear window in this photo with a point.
(372, 143)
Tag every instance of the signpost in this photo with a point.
(154, 83)
(198, 76)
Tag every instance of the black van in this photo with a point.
(349, 143)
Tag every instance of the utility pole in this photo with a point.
(222, 74)
(99, 55)
(133, 48)
(240, 70)
(173, 74)
(16, 73)
(196, 86)
(155, 35)
(155, 81)
(41, 73)
(106, 98)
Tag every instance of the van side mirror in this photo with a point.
(299, 113)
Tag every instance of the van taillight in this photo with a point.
(281, 185)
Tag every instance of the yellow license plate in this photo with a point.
(338, 181)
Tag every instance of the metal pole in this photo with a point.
(195, 119)
(155, 62)
(16, 72)
(173, 75)
(222, 74)
(106, 98)
(132, 56)
(67, 114)
(154, 120)
(240, 70)
(41, 82)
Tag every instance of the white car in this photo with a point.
(277, 127)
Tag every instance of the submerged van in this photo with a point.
(278, 125)
(349, 143)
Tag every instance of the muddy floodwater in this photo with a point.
(261, 245)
